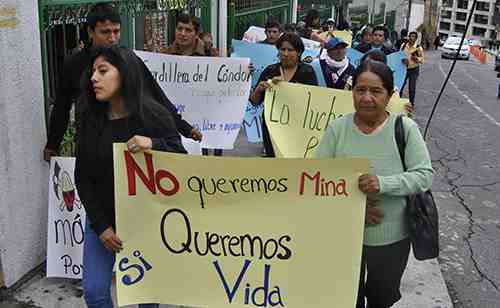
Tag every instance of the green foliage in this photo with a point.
(68, 143)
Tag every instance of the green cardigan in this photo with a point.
(343, 139)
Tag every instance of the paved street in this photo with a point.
(464, 143)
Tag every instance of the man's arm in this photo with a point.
(59, 117)
(183, 127)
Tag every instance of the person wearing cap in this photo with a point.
(328, 28)
(335, 66)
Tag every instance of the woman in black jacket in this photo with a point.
(116, 106)
(290, 69)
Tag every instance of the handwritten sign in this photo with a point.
(252, 122)
(345, 35)
(8, 17)
(66, 222)
(261, 56)
(238, 232)
(298, 115)
(210, 93)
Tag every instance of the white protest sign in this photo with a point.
(254, 34)
(210, 93)
(65, 234)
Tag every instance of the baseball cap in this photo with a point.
(330, 20)
(334, 42)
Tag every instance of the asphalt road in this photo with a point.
(464, 141)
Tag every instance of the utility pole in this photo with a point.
(408, 16)
(222, 19)
(295, 7)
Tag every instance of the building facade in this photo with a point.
(454, 14)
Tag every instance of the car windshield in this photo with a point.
(456, 41)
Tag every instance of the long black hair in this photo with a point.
(139, 97)
(378, 68)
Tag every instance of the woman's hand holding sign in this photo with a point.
(139, 143)
(110, 240)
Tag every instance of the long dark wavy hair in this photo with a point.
(137, 94)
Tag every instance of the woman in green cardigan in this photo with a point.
(369, 133)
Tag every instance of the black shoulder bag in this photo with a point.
(421, 211)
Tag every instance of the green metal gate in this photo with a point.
(245, 13)
(62, 21)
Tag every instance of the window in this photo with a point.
(460, 28)
(444, 26)
(476, 31)
(461, 16)
(448, 3)
(493, 35)
(463, 4)
(481, 19)
(483, 6)
(446, 14)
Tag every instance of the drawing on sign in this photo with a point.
(64, 187)
(66, 221)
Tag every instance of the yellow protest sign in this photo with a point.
(346, 36)
(238, 232)
(297, 115)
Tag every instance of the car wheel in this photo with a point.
(467, 59)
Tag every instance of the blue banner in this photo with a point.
(354, 56)
(395, 62)
(261, 56)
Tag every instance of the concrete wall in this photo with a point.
(417, 16)
(23, 173)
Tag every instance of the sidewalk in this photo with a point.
(423, 285)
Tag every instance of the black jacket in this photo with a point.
(94, 161)
(69, 90)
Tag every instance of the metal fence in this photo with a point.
(256, 12)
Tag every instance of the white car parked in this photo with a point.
(450, 48)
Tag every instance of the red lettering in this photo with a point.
(133, 169)
(161, 174)
(152, 180)
(303, 178)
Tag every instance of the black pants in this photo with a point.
(384, 266)
(411, 78)
(266, 139)
(217, 152)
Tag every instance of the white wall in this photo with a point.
(417, 16)
(23, 173)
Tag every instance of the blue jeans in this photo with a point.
(97, 272)
(411, 79)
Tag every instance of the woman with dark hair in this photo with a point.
(116, 106)
(370, 132)
(379, 55)
(289, 69)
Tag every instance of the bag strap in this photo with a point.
(399, 135)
